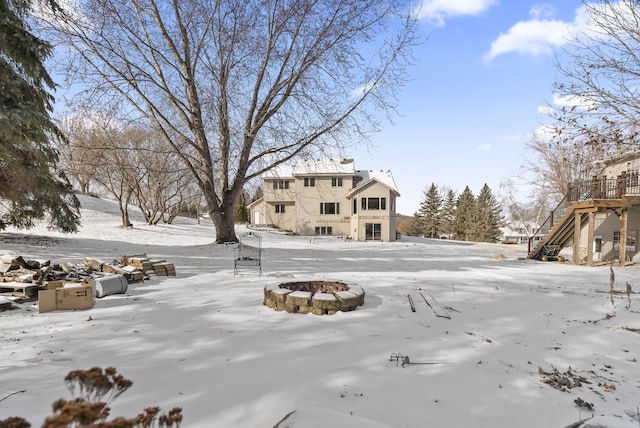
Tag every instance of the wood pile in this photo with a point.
(23, 278)
(148, 265)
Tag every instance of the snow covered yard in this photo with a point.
(203, 340)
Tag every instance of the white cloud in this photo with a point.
(535, 37)
(360, 91)
(484, 147)
(541, 34)
(542, 11)
(583, 102)
(545, 110)
(437, 11)
(547, 132)
(513, 137)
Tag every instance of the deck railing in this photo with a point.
(605, 188)
(626, 184)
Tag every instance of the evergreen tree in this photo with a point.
(242, 216)
(415, 227)
(31, 185)
(463, 225)
(488, 216)
(448, 213)
(430, 211)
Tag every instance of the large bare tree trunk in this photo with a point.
(238, 87)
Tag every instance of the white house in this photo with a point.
(329, 197)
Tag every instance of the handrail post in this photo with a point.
(596, 188)
(619, 184)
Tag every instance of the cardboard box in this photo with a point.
(67, 295)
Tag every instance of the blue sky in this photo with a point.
(473, 99)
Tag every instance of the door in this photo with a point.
(373, 231)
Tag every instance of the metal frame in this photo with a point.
(248, 253)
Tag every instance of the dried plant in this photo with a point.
(173, 418)
(14, 423)
(612, 283)
(146, 420)
(76, 412)
(94, 385)
(628, 295)
(92, 391)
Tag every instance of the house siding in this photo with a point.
(304, 205)
(385, 217)
(605, 225)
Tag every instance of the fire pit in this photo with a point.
(315, 297)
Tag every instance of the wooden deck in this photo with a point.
(567, 230)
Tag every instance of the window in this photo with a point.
(309, 182)
(279, 208)
(323, 230)
(281, 184)
(374, 203)
(336, 182)
(355, 206)
(631, 240)
(373, 231)
(329, 208)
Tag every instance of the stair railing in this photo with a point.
(546, 226)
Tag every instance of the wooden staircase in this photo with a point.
(562, 232)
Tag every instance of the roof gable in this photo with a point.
(369, 177)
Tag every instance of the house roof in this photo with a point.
(335, 167)
(320, 167)
(368, 177)
(312, 167)
(620, 158)
(280, 171)
(256, 202)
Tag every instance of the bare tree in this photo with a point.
(103, 151)
(117, 170)
(527, 212)
(164, 185)
(599, 76)
(78, 155)
(559, 159)
(240, 86)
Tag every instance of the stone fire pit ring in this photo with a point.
(313, 297)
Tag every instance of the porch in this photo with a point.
(577, 212)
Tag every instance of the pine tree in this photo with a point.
(463, 225)
(448, 213)
(242, 216)
(415, 227)
(430, 211)
(488, 216)
(31, 185)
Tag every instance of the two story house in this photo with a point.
(598, 218)
(329, 197)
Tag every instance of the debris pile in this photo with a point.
(562, 381)
(23, 278)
